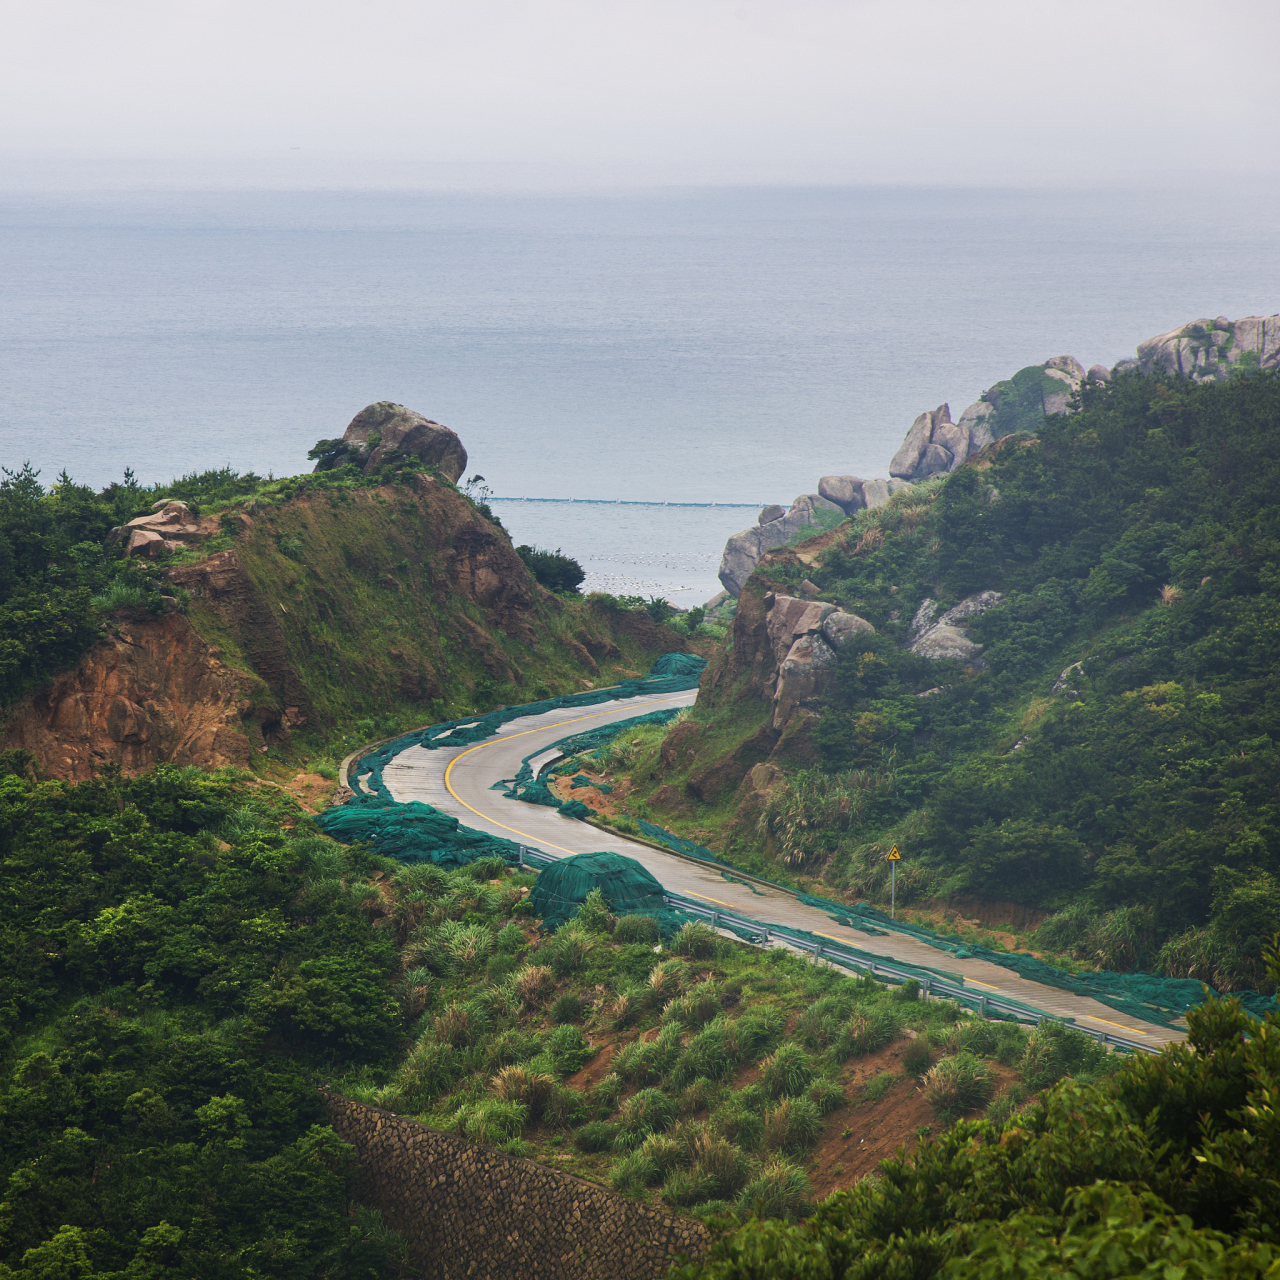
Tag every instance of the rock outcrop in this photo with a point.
(837, 496)
(1209, 350)
(382, 429)
(170, 526)
(150, 691)
(805, 637)
(947, 636)
(743, 550)
(934, 445)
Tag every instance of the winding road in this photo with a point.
(460, 781)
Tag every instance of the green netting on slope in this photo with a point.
(524, 786)
(412, 832)
(1142, 995)
(670, 673)
(626, 886)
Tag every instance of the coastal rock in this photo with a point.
(976, 420)
(771, 513)
(401, 430)
(801, 676)
(743, 550)
(878, 492)
(805, 636)
(845, 491)
(948, 637)
(1208, 350)
(934, 444)
(1068, 371)
(1099, 373)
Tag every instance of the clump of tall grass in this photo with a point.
(779, 1190)
(956, 1084)
(800, 815)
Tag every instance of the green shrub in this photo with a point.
(916, 1058)
(826, 1094)
(867, 1031)
(793, 1125)
(553, 569)
(594, 915)
(633, 1173)
(510, 940)
(646, 1112)
(492, 1121)
(956, 1084)
(567, 1008)
(780, 1190)
(636, 929)
(684, 1187)
(696, 940)
(786, 1072)
(595, 1135)
(569, 1049)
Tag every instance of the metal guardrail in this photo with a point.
(835, 952)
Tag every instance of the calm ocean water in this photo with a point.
(723, 346)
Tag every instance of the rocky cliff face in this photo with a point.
(1210, 350)
(151, 690)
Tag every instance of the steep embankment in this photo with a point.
(338, 608)
(1065, 698)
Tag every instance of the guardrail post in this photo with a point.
(984, 1006)
(520, 855)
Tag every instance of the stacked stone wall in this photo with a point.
(468, 1210)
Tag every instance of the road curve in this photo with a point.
(459, 781)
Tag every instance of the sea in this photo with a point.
(633, 372)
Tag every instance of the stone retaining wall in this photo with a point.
(471, 1211)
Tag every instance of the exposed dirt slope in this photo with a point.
(152, 689)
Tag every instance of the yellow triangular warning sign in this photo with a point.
(894, 855)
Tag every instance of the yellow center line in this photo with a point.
(976, 983)
(1093, 1017)
(524, 733)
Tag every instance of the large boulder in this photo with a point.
(933, 444)
(1208, 350)
(805, 637)
(845, 491)
(948, 636)
(401, 430)
(771, 513)
(743, 551)
(168, 528)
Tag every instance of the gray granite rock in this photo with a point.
(839, 628)
(1099, 373)
(801, 676)
(878, 492)
(743, 550)
(1207, 350)
(948, 636)
(404, 431)
(771, 513)
(845, 491)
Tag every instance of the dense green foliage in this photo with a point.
(553, 569)
(1139, 537)
(1168, 1168)
(54, 570)
(175, 965)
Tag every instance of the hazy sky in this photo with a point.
(860, 90)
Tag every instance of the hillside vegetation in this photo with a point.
(328, 609)
(1138, 801)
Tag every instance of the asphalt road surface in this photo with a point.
(458, 781)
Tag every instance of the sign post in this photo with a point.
(893, 859)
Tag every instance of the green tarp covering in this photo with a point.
(627, 887)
